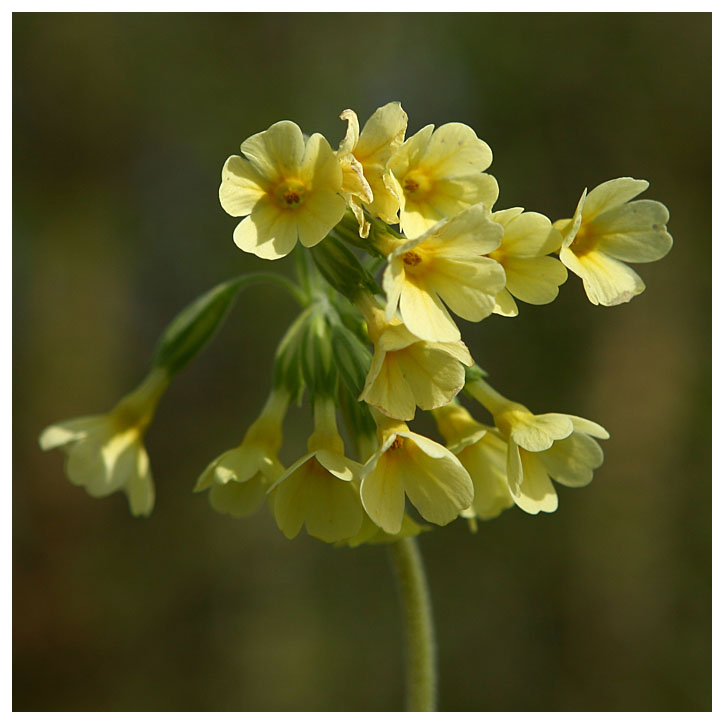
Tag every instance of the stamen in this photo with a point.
(411, 258)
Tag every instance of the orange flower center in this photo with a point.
(290, 194)
(417, 185)
(397, 443)
(411, 258)
(585, 241)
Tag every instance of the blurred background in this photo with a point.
(121, 126)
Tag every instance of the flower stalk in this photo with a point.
(421, 667)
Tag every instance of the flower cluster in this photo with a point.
(371, 346)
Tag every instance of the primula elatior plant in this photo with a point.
(397, 239)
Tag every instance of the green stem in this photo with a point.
(418, 621)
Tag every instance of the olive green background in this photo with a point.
(121, 126)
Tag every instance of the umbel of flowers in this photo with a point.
(395, 239)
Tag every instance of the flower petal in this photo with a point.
(572, 461)
(241, 188)
(238, 498)
(467, 285)
(527, 234)
(388, 390)
(86, 467)
(440, 488)
(140, 485)
(337, 464)
(612, 194)
(468, 234)
(588, 427)
(635, 232)
(268, 232)
(409, 154)
(383, 494)
(485, 462)
(382, 134)
(434, 376)
(319, 214)
(537, 492)
(538, 432)
(425, 316)
(455, 150)
(320, 168)
(607, 281)
(535, 281)
(393, 282)
(276, 152)
(68, 431)
(451, 196)
(505, 304)
(352, 134)
(514, 468)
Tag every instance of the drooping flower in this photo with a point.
(608, 229)
(364, 156)
(286, 187)
(541, 447)
(238, 479)
(319, 490)
(105, 453)
(437, 174)
(531, 275)
(371, 533)
(408, 464)
(405, 371)
(483, 454)
(445, 266)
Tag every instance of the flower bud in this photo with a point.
(342, 269)
(318, 371)
(194, 326)
(352, 359)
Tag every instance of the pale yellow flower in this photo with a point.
(238, 479)
(541, 447)
(483, 454)
(319, 490)
(364, 157)
(287, 188)
(531, 276)
(408, 464)
(445, 266)
(608, 229)
(371, 533)
(437, 174)
(405, 371)
(105, 453)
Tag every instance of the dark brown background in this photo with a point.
(121, 126)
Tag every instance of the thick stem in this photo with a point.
(418, 621)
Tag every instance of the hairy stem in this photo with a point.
(418, 622)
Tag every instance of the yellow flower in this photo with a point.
(483, 454)
(406, 371)
(287, 188)
(437, 174)
(541, 447)
(364, 156)
(531, 276)
(410, 464)
(105, 453)
(238, 479)
(445, 265)
(370, 533)
(607, 230)
(320, 490)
